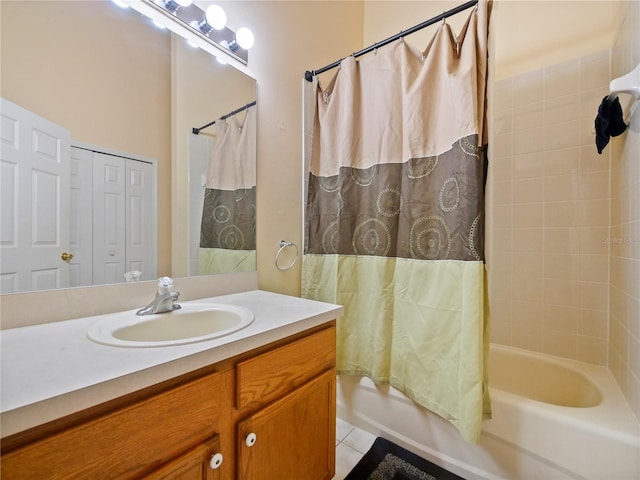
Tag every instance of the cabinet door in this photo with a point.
(293, 438)
(126, 443)
(196, 464)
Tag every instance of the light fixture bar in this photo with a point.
(185, 21)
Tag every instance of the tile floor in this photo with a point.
(351, 444)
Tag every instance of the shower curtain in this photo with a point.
(228, 229)
(394, 218)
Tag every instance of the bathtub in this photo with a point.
(553, 418)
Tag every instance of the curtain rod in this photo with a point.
(310, 74)
(196, 131)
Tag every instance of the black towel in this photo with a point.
(609, 122)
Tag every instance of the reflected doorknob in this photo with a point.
(66, 256)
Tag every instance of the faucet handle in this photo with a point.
(165, 284)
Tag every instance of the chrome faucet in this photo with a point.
(164, 300)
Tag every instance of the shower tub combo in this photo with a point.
(552, 419)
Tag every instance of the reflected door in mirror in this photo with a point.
(123, 218)
(35, 201)
(71, 216)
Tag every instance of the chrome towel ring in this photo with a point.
(284, 244)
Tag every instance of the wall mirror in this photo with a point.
(123, 89)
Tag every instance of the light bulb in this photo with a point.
(184, 3)
(216, 17)
(244, 37)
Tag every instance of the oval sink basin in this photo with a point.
(192, 323)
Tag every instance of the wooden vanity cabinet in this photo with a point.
(201, 463)
(283, 393)
(129, 441)
(290, 390)
(293, 438)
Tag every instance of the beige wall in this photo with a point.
(624, 321)
(534, 33)
(107, 92)
(531, 33)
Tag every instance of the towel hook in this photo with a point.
(630, 84)
(284, 244)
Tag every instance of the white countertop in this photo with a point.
(53, 369)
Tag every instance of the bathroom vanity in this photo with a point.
(256, 404)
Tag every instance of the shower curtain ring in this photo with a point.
(284, 244)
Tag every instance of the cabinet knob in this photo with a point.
(250, 440)
(216, 461)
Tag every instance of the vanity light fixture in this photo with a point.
(207, 28)
(214, 18)
(159, 25)
(120, 3)
(173, 5)
(244, 38)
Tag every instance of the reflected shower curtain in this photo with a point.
(228, 229)
(394, 218)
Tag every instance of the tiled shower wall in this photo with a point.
(549, 267)
(624, 333)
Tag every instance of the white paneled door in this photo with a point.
(34, 211)
(81, 217)
(140, 216)
(108, 218)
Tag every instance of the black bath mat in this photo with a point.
(388, 461)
